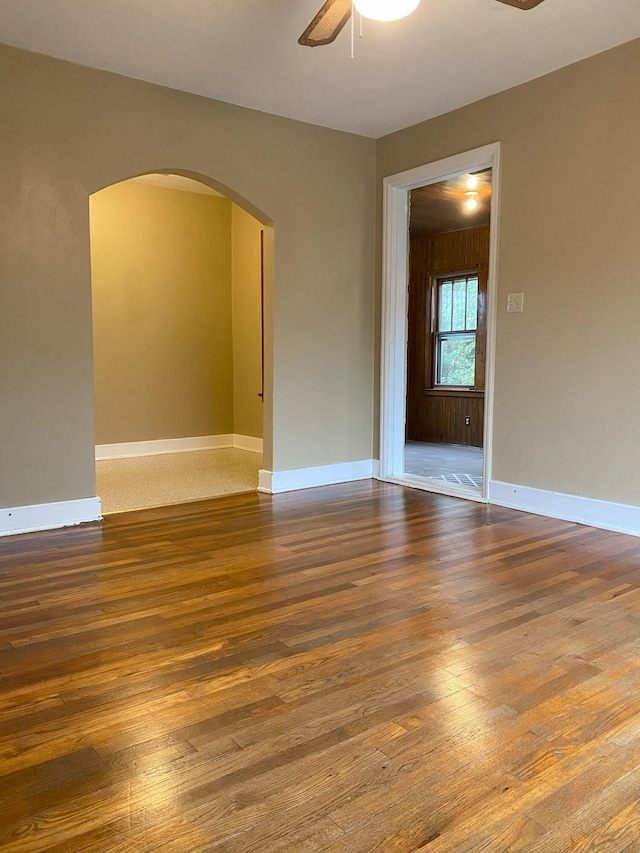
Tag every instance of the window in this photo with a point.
(455, 330)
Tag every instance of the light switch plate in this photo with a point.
(515, 303)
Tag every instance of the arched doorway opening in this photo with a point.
(180, 306)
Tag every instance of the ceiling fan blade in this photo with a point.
(327, 23)
(522, 4)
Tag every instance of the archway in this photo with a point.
(181, 291)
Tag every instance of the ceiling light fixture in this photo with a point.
(472, 193)
(472, 198)
(385, 10)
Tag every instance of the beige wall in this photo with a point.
(161, 283)
(69, 131)
(567, 407)
(247, 345)
(567, 414)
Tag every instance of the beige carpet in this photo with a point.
(171, 478)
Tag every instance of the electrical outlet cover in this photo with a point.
(515, 303)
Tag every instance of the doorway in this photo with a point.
(438, 324)
(178, 354)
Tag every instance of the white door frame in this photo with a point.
(395, 283)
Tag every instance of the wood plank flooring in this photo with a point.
(350, 669)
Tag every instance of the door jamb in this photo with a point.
(395, 280)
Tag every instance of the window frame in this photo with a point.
(439, 334)
(431, 343)
(439, 339)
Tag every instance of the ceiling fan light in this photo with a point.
(386, 10)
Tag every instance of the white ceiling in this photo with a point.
(448, 53)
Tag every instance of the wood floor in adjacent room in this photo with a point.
(349, 669)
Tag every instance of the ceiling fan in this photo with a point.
(330, 20)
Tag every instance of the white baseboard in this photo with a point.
(27, 519)
(622, 518)
(425, 484)
(247, 442)
(276, 482)
(128, 449)
(264, 481)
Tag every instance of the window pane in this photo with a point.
(459, 303)
(472, 303)
(456, 359)
(444, 320)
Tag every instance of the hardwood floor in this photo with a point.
(350, 669)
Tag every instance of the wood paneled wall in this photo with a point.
(443, 418)
(435, 414)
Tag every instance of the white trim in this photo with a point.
(275, 482)
(622, 518)
(128, 449)
(264, 481)
(426, 484)
(395, 276)
(492, 318)
(49, 516)
(247, 442)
